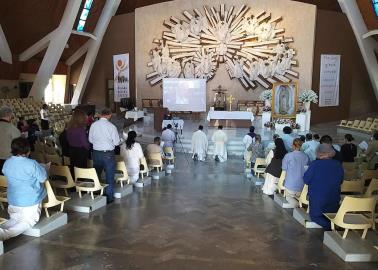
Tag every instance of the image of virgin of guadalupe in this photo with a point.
(284, 100)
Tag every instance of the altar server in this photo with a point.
(199, 144)
(220, 140)
(249, 139)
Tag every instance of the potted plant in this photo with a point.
(266, 96)
(308, 96)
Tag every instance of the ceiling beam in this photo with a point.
(55, 49)
(79, 53)
(5, 52)
(36, 47)
(86, 34)
(107, 13)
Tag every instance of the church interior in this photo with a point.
(189, 134)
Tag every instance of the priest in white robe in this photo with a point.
(220, 140)
(199, 144)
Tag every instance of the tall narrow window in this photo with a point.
(375, 5)
(84, 15)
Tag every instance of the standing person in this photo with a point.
(249, 139)
(326, 139)
(8, 132)
(371, 156)
(45, 117)
(324, 178)
(132, 152)
(274, 168)
(77, 139)
(309, 147)
(287, 138)
(168, 137)
(25, 191)
(316, 138)
(104, 137)
(32, 133)
(294, 164)
(199, 144)
(219, 139)
(348, 149)
(257, 150)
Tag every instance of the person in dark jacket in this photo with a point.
(348, 149)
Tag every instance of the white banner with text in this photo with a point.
(121, 76)
(329, 80)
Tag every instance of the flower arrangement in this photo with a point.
(295, 125)
(266, 95)
(269, 124)
(267, 109)
(308, 96)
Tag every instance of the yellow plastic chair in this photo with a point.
(367, 126)
(303, 201)
(349, 124)
(372, 188)
(52, 200)
(89, 187)
(121, 167)
(143, 162)
(169, 155)
(369, 119)
(349, 165)
(369, 174)
(2, 220)
(154, 160)
(361, 125)
(260, 166)
(356, 123)
(280, 184)
(89, 163)
(62, 172)
(353, 221)
(3, 191)
(54, 159)
(343, 123)
(352, 186)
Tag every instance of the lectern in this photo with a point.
(159, 113)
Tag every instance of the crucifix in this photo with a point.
(230, 99)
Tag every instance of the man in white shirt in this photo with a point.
(249, 139)
(104, 137)
(168, 137)
(220, 140)
(199, 144)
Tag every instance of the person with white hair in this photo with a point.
(8, 133)
(324, 177)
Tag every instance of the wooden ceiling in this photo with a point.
(26, 21)
(127, 6)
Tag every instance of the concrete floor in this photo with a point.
(204, 216)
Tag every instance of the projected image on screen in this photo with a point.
(184, 94)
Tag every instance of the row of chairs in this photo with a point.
(355, 212)
(369, 125)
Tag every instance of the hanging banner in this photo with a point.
(329, 80)
(121, 76)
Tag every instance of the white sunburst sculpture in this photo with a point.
(254, 50)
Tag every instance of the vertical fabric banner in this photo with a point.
(121, 76)
(329, 80)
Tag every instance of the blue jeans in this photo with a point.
(105, 161)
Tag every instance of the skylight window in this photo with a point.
(375, 5)
(84, 15)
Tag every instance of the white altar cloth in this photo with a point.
(179, 123)
(134, 115)
(230, 115)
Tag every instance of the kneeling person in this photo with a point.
(25, 178)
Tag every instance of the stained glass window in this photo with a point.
(84, 15)
(375, 5)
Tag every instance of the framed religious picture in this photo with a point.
(284, 100)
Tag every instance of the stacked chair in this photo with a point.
(370, 125)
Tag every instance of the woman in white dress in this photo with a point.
(274, 168)
(132, 152)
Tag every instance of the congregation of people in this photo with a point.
(308, 159)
